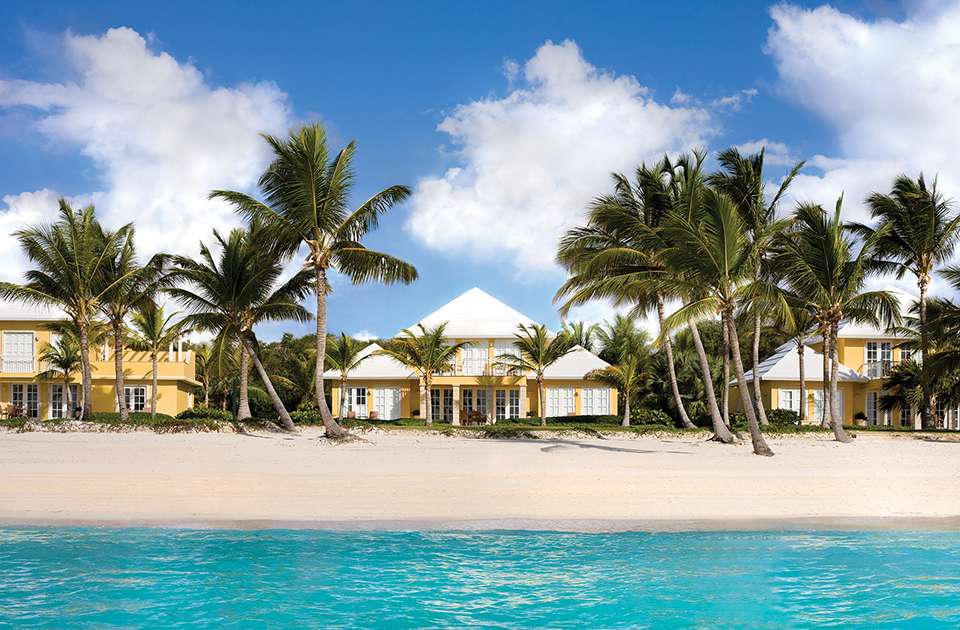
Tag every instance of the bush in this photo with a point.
(650, 417)
(209, 413)
(783, 417)
(601, 420)
(306, 417)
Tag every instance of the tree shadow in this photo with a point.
(559, 445)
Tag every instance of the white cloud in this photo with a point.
(161, 137)
(889, 88)
(775, 153)
(364, 335)
(532, 160)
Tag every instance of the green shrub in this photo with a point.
(783, 417)
(650, 417)
(196, 413)
(607, 420)
(307, 417)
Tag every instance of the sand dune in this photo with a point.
(418, 480)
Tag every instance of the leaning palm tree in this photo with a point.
(62, 360)
(537, 351)
(624, 376)
(237, 289)
(343, 355)
(127, 285)
(70, 257)
(151, 330)
(426, 354)
(922, 232)
(818, 262)
(307, 199)
(741, 178)
(711, 260)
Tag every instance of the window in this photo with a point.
(481, 404)
(909, 355)
(386, 402)
(441, 404)
(448, 404)
(27, 397)
(871, 408)
(595, 401)
(61, 408)
(507, 407)
(790, 399)
(135, 398)
(468, 399)
(560, 401)
(501, 407)
(502, 347)
(906, 417)
(474, 359)
(18, 352)
(514, 403)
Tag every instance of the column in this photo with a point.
(423, 400)
(524, 405)
(491, 406)
(455, 421)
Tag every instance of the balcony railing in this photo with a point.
(877, 369)
(480, 367)
(17, 365)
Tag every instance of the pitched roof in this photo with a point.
(374, 368)
(18, 311)
(476, 315)
(784, 365)
(850, 330)
(575, 365)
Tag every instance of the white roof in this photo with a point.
(852, 330)
(784, 365)
(575, 365)
(476, 315)
(374, 368)
(19, 312)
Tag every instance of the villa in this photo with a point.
(867, 355)
(383, 387)
(22, 338)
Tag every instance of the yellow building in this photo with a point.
(22, 338)
(382, 386)
(867, 355)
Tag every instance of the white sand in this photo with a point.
(402, 480)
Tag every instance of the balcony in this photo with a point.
(17, 365)
(479, 367)
(877, 369)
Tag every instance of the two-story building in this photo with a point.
(21, 340)
(475, 384)
(867, 355)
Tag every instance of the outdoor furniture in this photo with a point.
(12, 411)
(473, 418)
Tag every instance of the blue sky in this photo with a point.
(505, 117)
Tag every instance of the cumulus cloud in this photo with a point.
(890, 89)
(533, 159)
(160, 136)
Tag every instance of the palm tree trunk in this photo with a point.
(153, 391)
(66, 395)
(206, 394)
(803, 387)
(626, 409)
(757, 392)
(838, 431)
(277, 403)
(668, 349)
(87, 374)
(725, 408)
(118, 366)
(542, 390)
(926, 418)
(343, 394)
(333, 429)
(759, 444)
(427, 388)
(243, 409)
(720, 432)
(826, 418)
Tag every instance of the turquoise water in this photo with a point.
(154, 578)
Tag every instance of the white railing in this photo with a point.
(17, 365)
(877, 369)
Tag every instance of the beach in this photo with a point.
(425, 480)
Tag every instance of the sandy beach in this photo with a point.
(417, 480)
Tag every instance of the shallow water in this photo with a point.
(153, 578)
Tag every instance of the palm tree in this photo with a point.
(70, 256)
(741, 179)
(203, 358)
(232, 293)
(817, 261)
(616, 253)
(151, 330)
(426, 354)
(583, 334)
(307, 198)
(343, 355)
(712, 262)
(922, 232)
(537, 352)
(621, 338)
(62, 359)
(624, 376)
(301, 377)
(801, 325)
(126, 286)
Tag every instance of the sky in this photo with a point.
(504, 118)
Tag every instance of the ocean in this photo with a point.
(173, 578)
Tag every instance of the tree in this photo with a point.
(624, 376)
(307, 198)
(126, 285)
(921, 233)
(231, 293)
(343, 355)
(151, 330)
(621, 338)
(62, 359)
(710, 260)
(537, 352)
(817, 261)
(70, 257)
(583, 334)
(802, 325)
(426, 354)
(741, 179)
